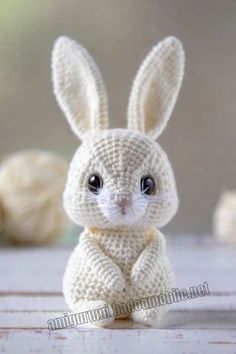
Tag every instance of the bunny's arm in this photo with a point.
(106, 270)
(144, 269)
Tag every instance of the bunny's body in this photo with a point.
(124, 248)
(120, 186)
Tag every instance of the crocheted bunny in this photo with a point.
(120, 185)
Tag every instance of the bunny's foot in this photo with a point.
(150, 317)
(97, 312)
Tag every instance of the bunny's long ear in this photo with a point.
(78, 87)
(156, 87)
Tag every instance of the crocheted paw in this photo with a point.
(115, 280)
(101, 312)
(150, 317)
(140, 275)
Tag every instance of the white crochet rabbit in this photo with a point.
(120, 185)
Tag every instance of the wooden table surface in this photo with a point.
(30, 294)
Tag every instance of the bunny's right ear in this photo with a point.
(156, 87)
(78, 87)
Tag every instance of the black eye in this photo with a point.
(147, 185)
(95, 183)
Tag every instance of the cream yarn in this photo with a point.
(120, 255)
(224, 219)
(31, 185)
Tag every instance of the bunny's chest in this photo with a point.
(122, 249)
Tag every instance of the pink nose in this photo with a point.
(122, 200)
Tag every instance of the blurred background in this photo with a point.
(200, 139)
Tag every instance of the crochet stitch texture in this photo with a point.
(121, 255)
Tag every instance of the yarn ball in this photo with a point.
(224, 220)
(31, 187)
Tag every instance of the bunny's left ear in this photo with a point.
(79, 87)
(156, 87)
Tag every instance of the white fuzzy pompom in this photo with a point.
(31, 187)
(224, 220)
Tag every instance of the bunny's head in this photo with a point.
(119, 177)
